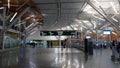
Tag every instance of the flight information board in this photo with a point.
(58, 33)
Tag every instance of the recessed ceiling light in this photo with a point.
(44, 14)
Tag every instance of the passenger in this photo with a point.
(113, 48)
(51, 44)
(86, 46)
(64, 44)
(34, 45)
(90, 47)
(115, 54)
(118, 48)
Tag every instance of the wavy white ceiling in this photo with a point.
(62, 14)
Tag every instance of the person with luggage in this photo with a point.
(118, 50)
(115, 54)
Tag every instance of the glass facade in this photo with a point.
(11, 40)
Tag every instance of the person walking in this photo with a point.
(86, 45)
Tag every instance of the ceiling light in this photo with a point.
(44, 14)
(114, 19)
(13, 17)
(32, 15)
(75, 28)
(85, 21)
(68, 27)
(29, 26)
(62, 28)
(90, 12)
(2, 7)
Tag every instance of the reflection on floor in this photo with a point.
(56, 58)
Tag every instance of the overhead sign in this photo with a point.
(87, 37)
(106, 32)
(58, 33)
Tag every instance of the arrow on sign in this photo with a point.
(51, 33)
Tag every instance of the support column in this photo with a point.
(3, 34)
(24, 45)
(81, 34)
(96, 35)
(3, 28)
(110, 36)
(25, 36)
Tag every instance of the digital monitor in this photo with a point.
(88, 37)
(106, 32)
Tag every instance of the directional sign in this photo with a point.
(58, 33)
(45, 33)
(51, 33)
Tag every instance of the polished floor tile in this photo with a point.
(56, 58)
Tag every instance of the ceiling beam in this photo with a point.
(62, 13)
(61, 2)
(22, 5)
(87, 26)
(80, 11)
(18, 17)
(71, 27)
(91, 23)
(82, 25)
(17, 1)
(104, 26)
(105, 17)
(61, 8)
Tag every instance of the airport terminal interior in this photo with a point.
(59, 34)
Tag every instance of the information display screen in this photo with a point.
(58, 33)
(106, 32)
(88, 37)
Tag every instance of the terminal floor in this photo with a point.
(56, 58)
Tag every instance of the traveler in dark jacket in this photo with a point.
(86, 45)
